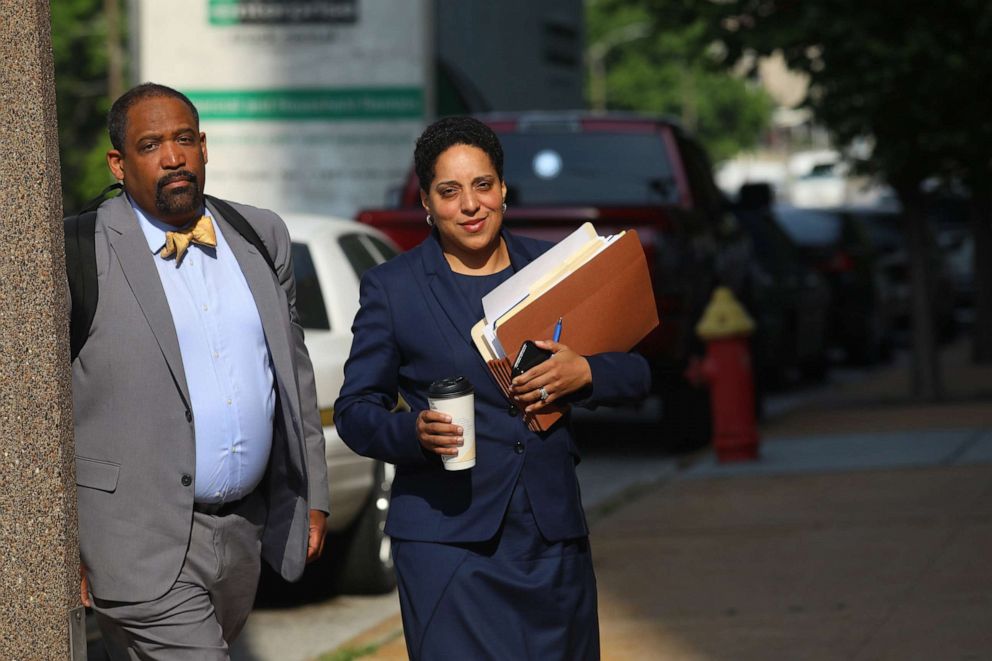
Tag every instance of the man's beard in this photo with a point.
(181, 201)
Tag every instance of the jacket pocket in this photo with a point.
(97, 474)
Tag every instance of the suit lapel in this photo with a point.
(269, 301)
(131, 248)
(451, 308)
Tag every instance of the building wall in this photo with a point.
(509, 55)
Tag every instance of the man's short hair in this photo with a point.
(117, 117)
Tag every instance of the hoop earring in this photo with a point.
(504, 207)
(430, 221)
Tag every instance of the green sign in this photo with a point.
(310, 104)
(282, 12)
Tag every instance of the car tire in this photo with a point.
(815, 369)
(867, 348)
(364, 563)
(686, 423)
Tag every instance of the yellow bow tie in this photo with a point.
(176, 243)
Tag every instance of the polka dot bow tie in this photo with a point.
(177, 242)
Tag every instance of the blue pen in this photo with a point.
(557, 335)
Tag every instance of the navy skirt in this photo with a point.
(516, 596)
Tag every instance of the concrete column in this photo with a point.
(39, 557)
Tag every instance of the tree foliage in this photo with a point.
(79, 44)
(908, 76)
(670, 68)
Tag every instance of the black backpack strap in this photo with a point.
(80, 261)
(80, 268)
(244, 228)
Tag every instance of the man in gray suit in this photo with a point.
(199, 446)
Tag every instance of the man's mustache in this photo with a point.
(179, 175)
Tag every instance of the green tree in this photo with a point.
(640, 60)
(906, 76)
(85, 53)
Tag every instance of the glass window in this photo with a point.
(884, 230)
(357, 253)
(309, 299)
(810, 228)
(595, 168)
(772, 246)
(386, 251)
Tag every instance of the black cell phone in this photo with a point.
(530, 354)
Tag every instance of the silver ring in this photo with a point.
(544, 394)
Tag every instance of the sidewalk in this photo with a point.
(862, 533)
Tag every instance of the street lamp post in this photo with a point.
(596, 58)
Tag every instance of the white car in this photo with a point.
(329, 257)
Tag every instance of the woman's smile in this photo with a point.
(473, 226)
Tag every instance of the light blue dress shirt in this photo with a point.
(226, 360)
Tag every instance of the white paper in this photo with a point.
(493, 342)
(502, 299)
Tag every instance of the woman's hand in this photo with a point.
(436, 433)
(562, 374)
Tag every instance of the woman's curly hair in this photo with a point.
(448, 132)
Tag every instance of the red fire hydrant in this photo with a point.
(725, 327)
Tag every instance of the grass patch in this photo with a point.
(348, 653)
(351, 653)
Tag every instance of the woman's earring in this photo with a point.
(504, 207)
(430, 221)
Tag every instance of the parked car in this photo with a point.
(950, 215)
(329, 257)
(887, 232)
(839, 246)
(619, 171)
(959, 249)
(789, 300)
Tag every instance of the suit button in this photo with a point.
(189, 416)
(187, 480)
(518, 447)
(513, 411)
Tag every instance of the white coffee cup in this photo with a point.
(456, 397)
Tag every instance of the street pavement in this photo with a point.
(862, 532)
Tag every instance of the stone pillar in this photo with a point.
(39, 557)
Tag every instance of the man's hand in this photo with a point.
(318, 521)
(84, 587)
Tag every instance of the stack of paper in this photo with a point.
(600, 288)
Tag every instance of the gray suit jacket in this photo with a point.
(133, 422)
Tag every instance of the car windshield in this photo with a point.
(809, 227)
(601, 169)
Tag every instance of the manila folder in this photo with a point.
(606, 304)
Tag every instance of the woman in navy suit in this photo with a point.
(492, 562)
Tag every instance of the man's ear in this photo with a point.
(115, 161)
(203, 146)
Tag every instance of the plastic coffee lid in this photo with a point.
(452, 386)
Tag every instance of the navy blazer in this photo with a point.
(413, 327)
